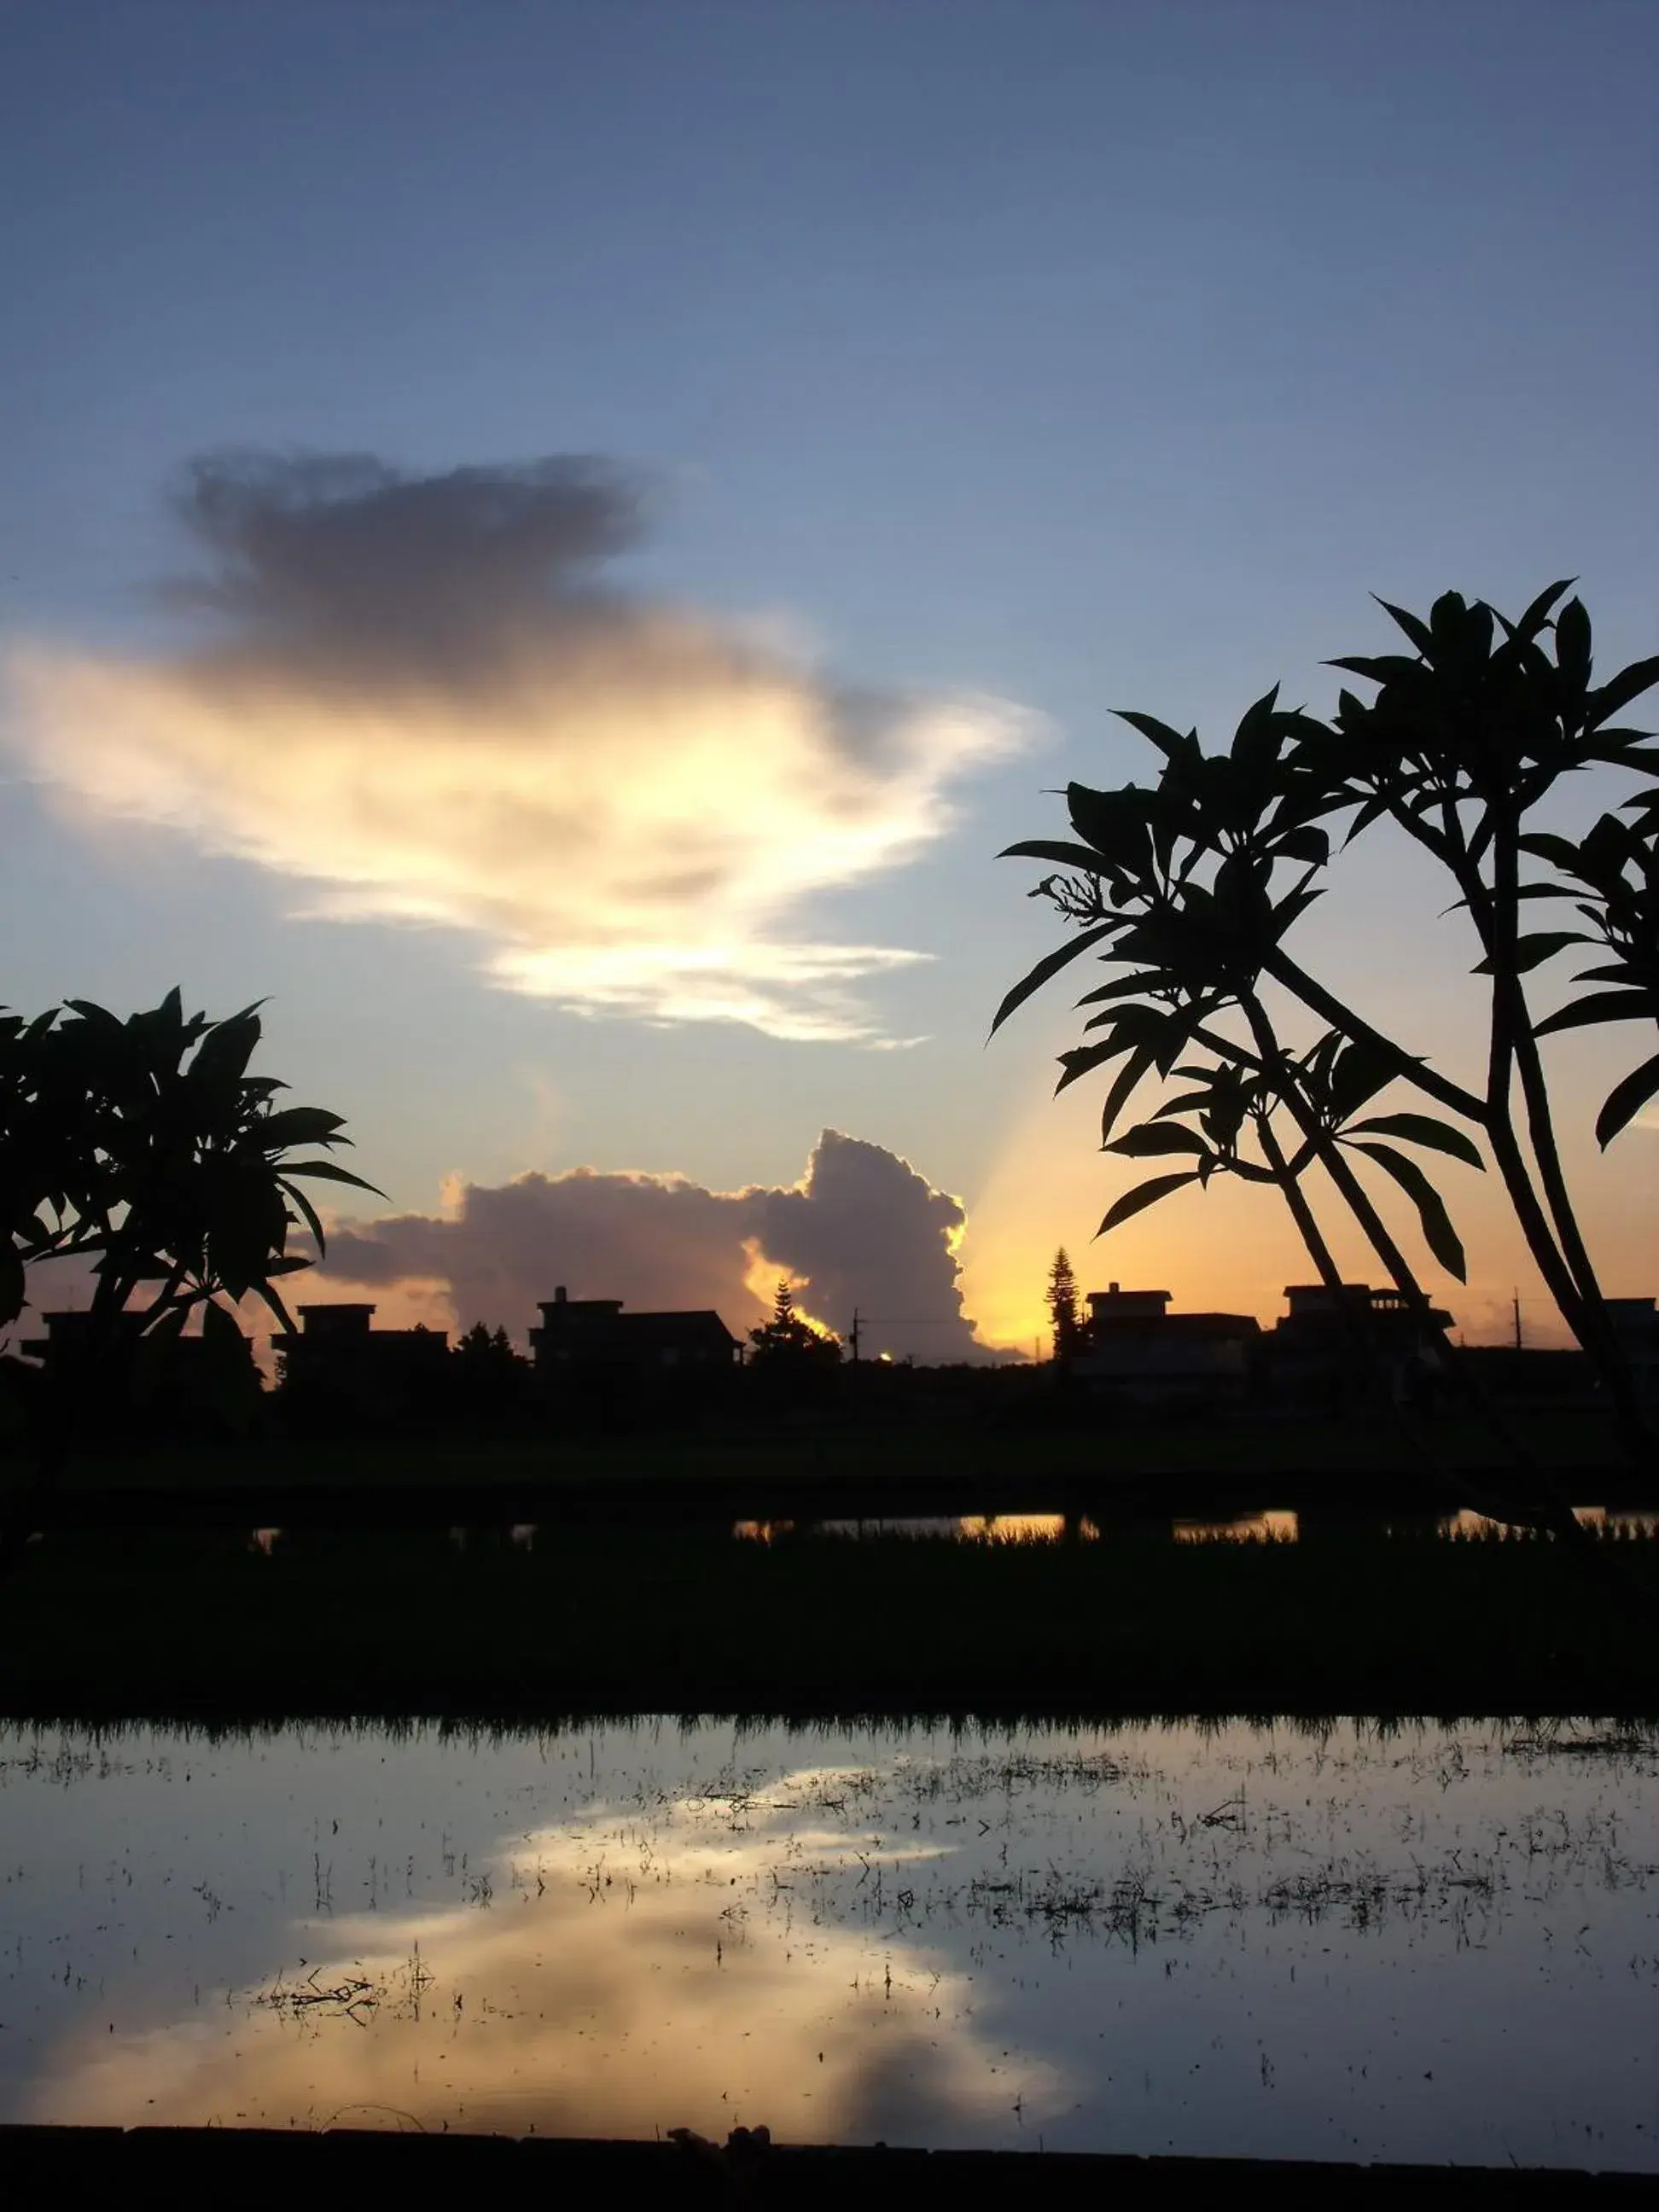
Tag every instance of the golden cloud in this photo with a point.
(426, 707)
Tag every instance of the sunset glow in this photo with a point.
(595, 740)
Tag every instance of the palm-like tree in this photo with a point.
(1184, 888)
(145, 1147)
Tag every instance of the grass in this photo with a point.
(595, 1621)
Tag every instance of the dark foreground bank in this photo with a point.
(746, 2172)
(822, 1466)
(591, 1621)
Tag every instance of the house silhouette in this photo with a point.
(1326, 1341)
(592, 1337)
(1134, 1349)
(336, 1360)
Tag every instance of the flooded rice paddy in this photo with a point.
(1428, 1943)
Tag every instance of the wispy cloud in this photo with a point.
(421, 696)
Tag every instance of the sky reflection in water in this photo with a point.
(1421, 1946)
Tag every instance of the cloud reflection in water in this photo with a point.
(603, 1978)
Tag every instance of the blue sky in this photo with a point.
(1068, 357)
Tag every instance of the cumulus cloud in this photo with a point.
(862, 1228)
(422, 695)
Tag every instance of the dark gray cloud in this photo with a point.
(862, 1229)
(342, 559)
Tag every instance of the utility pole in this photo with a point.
(1516, 1301)
(853, 1336)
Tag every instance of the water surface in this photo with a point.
(1268, 1525)
(1429, 1944)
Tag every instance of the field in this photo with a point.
(819, 1468)
(589, 1618)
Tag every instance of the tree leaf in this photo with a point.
(1414, 627)
(1560, 851)
(1143, 1195)
(1149, 1139)
(1187, 1102)
(1170, 743)
(1377, 668)
(1603, 1006)
(328, 1171)
(266, 1291)
(309, 1214)
(1062, 854)
(1358, 1072)
(165, 1324)
(1114, 822)
(225, 1051)
(1627, 1099)
(216, 1322)
(1260, 736)
(1128, 1077)
(298, 1125)
(1532, 951)
(1122, 987)
(1438, 1234)
(1572, 646)
(1050, 964)
(1539, 612)
(1373, 810)
(1083, 1059)
(1290, 907)
(1421, 1130)
(1309, 843)
(1133, 1021)
(1618, 691)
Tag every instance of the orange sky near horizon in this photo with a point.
(1233, 1248)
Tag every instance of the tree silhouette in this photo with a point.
(1062, 1300)
(486, 1352)
(1192, 888)
(787, 1343)
(487, 1377)
(1612, 877)
(145, 1147)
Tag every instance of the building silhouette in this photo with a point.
(590, 1338)
(335, 1364)
(1636, 1325)
(1328, 1343)
(145, 1384)
(1329, 1347)
(1132, 1349)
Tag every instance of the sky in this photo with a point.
(556, 543)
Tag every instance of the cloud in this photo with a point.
(862, 1228)
(688, 1993)
(422, 695)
